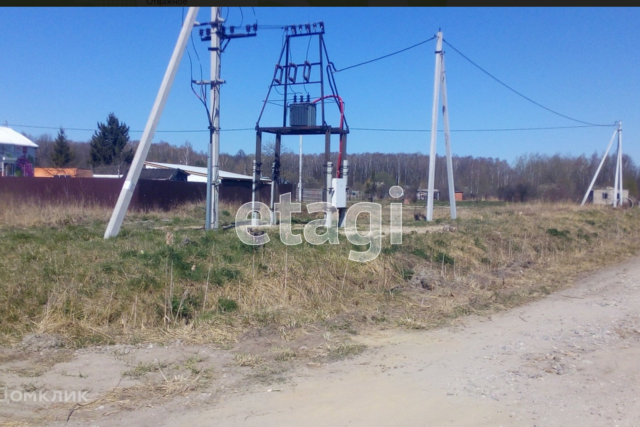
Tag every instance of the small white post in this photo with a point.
(113, 228)
(434, 128)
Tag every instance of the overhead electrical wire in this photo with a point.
(203, 93)
(353, 128)
(475, 130)
(385, 56)
(520, 94)
(332, 70)
(132, 131)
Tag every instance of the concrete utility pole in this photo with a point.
(618, 181)
(213, 168)
(618, 174)
(113, 228)
(440, 85)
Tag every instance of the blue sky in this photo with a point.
(71, 67)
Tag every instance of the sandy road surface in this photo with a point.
(572, 359)
(568, 360)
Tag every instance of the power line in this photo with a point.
(476, 130)
(132, 131)
(518, 93)
(385, 56)
(353, 128)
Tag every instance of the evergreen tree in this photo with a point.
(62, 154)
(108, 144)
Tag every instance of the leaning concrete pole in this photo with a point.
(434, 128)
(595, 176)
(113, 228)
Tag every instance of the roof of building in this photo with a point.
(196, 172)
(52, 172)
(10, 136)
(164, 174)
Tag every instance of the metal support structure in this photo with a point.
(311, 74)
(604, 157)
(327, 167)
(439, 85)
(113, 228)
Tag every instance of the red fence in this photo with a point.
(149, 194)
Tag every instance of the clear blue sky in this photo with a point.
(71, 67)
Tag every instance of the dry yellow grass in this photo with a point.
(61, 277)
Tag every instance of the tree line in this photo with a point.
(531, 176)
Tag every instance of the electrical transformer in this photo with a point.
(302, 114)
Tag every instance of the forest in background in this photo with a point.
(531, 177)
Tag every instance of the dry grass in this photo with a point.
(60, 276)
(246, 359)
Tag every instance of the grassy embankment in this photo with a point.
(60, 276)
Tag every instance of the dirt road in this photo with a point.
(568, 360)
(572, 359)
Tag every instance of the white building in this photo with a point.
(14, 145)
(199, 174)
(605, 196)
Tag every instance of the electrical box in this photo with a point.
(339, 192)
(302, 114)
